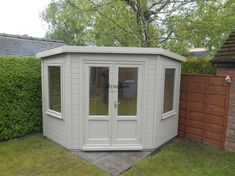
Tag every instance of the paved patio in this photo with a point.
(113, 162)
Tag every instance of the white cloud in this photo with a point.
(22, 17)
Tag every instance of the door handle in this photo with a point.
(116, 103)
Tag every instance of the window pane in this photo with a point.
(127, 91)
(169, 90)
(98, 88)
(54, 88)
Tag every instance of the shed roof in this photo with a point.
(110, 50)
(23, 45)
(225, 57)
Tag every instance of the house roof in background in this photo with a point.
(197, 52)
(226, 55)
(23, 45)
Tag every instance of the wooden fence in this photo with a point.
(203, 108)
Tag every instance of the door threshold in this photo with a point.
(112, 148)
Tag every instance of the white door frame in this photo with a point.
(110, 143)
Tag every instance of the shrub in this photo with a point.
(198, 66)
(20, 96)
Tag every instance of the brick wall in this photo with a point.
(230, 132)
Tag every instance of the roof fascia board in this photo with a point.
(110, 50)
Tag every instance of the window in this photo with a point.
(169, 90)
(127, 91)
(99, 91)
(54, 82)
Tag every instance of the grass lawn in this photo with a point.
(36, 155)
(185, 158)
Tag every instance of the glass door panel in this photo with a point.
(99, 91)
(127, 91)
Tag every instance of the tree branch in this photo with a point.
(166, 38)
(95, 9)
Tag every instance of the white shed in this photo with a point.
(110, 98)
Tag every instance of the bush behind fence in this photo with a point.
(198, 66)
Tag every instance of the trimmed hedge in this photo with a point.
(198, 66)
(20, 97)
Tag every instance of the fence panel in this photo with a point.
(203, 108)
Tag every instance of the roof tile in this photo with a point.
(17, 45)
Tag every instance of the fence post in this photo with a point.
(187, 108)
(225, 115)
(205, 108)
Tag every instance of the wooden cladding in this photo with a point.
(203, 108)
(227, 51)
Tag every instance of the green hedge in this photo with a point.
(198, 66)
(20, 97)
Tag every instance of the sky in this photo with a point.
(23, 17)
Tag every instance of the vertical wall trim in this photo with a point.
(69, 105)
(82, 99)
(143, 127)
(43, 96)
(178, 96)
(156, 101)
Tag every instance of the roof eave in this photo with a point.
(110, 50)
(223, 63)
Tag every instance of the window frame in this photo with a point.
(50, 112)
(173, 111)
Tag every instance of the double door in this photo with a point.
(113, 106)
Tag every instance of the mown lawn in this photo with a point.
(186, 158)
(36, 155)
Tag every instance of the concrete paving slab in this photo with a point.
(92, 156)
(113, 162)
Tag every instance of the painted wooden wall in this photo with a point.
(68, 131)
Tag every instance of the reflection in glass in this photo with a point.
(169, 89)
(54, 88)
(98, 91)
(127, 91)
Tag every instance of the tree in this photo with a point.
(171, 24)
(206, 26)
(67, 23)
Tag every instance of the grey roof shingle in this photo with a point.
(16, 45)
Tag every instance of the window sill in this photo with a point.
(168, 115)
(54, 114)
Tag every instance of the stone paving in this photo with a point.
(113, 162)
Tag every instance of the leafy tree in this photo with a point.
(205, 26)
(67, 23)
(171, 24)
